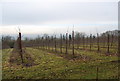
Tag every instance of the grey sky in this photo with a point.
(55, 16)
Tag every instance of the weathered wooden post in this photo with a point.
(77, 40)
(52, 42)
(66, 43)
(87, 38)
(42, 43)
(48, 43)
(73, 43)
(98, 42)
(69, 40)
(112, 38)
(83, 42)
(118, 43)
(97, 74)
(55, 44)
(61, 43)
(20, 47)
(108, 40)
(90, 41)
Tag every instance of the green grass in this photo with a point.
(51, 66)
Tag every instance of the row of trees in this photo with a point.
(75, 40)
(69, 41)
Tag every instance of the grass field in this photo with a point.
(51, 65)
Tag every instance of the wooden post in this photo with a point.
(90, 41)
(98, 42)
(20, 47)
(69, 40)
(61, 43)
(48, 43)
(97, 74)
(83, 43)
(66, 43)
(42, 42)
(118, 43)
(77, 40)
(87, 41)
(112, 40)
(52, 43)
(118, 52)
(73, 43)
(55, 44)
(108, 40)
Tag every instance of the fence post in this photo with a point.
(61, 43)
(48, 43)
(69, 40)
(108, 40)
(112, 40)
(52, 42)
(55, 44)
(87, 41)
(73, 42)
(97, 74)
(119, 43)
(98, 42)
(118, 51)
(20, 47)
(90, 41)
(83, 43)
(66, 43)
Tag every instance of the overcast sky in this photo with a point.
(58, 16)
